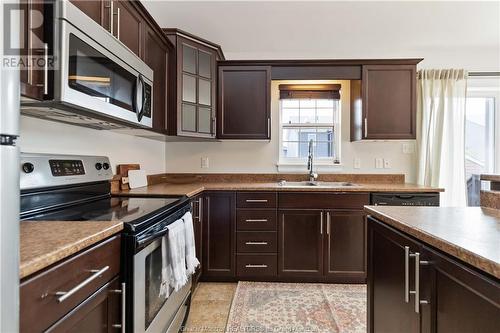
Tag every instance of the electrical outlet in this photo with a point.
(205, 163)
(357, 163)
(408, 148)
(387, 163)
(379, 163)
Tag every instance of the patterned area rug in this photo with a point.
(298, 307)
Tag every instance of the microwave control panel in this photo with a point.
(66, 167)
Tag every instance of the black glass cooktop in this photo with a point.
(134, 212)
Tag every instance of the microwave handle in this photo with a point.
(140, 97)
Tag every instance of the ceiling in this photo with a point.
(446, 34)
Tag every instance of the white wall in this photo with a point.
(41, 136)
(262, 156)
(445, 33)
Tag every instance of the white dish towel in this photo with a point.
(174, 257)
(166, 268)
(191, 261)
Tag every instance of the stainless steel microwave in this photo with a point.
(97, 79)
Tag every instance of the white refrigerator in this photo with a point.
(9, 186)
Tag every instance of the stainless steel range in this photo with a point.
(76, 188)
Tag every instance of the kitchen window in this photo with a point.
(309, 112)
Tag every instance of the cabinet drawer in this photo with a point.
(256, 219)
(255, 265)
(256, 200)
(256, 241)
(323, 200)
(40, 306)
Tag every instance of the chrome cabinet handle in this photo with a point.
(269, 128)
(256, 266)
(118, 23)
(407, 273)
(416, 292)
(321, 224)
(66, 294)
(124, 314)
(200, 202)
(366, 127)
(256, 200)
(111, 17)
(256, 220)
(328, 223)
(256, 243)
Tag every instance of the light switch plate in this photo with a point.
(205, 163)
(387, 163)
(379, 163)
(357, 163)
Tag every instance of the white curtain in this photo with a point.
(441, 132)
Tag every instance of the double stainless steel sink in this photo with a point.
(284, 183)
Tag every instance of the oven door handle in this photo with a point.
(148, 238)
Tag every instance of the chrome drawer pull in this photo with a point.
(256, 243)
(256, 266)
(256, 200)
(66, 294)
(124, 297)
(256, 220)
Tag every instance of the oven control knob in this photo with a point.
(28, 167)
(98, 166)
(105, 166)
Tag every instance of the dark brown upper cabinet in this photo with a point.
(244, 104)
(124, 19)
(157, 51)
(98, 10)
(35, 44)
(128, 25)
(383, 103)
(195, 85)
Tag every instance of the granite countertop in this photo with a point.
(43, 243)
(471, 234)
(490, 177)
(192, 189)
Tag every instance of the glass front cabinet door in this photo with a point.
(196, 85)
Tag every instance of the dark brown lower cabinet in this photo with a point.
(99, 313)
(58, 299)
(219, 252)
(449, 297)
(197, 207)
(390, 309)
(300, 244)
(460, 299)
(345, 246)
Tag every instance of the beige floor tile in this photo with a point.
(215, 291)
(208, 316)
